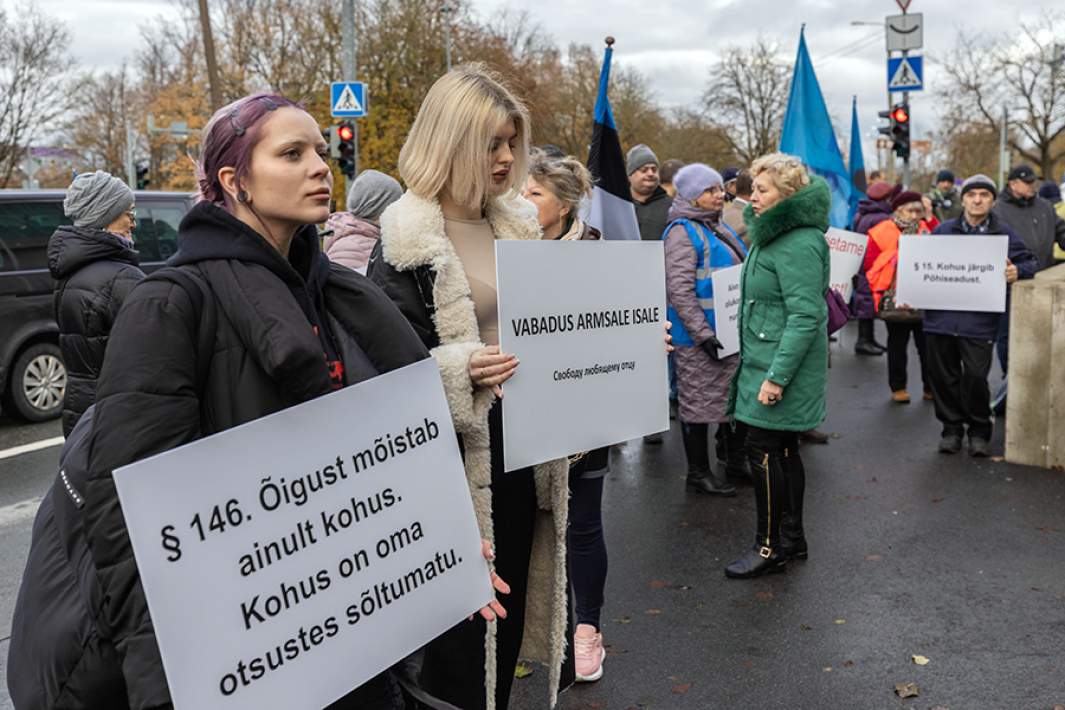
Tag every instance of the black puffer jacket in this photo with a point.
(94, 271)
(273, 325)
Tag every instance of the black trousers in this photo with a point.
(958, 369)
(898, 343)
(454, 663)
(779, 480)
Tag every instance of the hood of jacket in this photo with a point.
(868, 206)
(1008, 197)
(345, 224)
(209, 232)
(806, 208)
(659, 194)
(71, 248)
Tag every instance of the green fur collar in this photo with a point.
(806, 208)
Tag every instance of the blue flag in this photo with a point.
(856, 163)
(808, 135)
(610, 210)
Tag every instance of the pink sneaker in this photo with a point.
(589, 653)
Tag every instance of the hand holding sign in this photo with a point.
(1012, 274)
(491, 368)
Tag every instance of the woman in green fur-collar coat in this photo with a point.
(779, 388)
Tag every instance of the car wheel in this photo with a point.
(38, 383)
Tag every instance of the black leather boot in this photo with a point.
(792, 539)
(770, 494)
(700, 477)
(866, 343)
(733, 439)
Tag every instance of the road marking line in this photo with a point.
(18, 512)
(27, 448)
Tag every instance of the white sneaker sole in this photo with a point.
(594, 676)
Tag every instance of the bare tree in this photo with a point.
(32, 90)
(746, 94)
(98, 126)
(1023, 74)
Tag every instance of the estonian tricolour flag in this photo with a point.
(611, 210)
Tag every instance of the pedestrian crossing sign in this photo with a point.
(905, 74)
(348, 99)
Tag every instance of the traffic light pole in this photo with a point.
(906, 159)
(350, 58)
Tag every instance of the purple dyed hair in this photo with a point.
(229, 138)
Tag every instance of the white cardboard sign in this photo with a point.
(586, 321)
(846, 250)
(289, 560)
(953, 272)
(727, 303)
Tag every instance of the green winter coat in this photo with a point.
(784, 319)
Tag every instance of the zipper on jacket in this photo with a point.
(768, 500)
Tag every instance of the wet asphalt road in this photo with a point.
(911, 552)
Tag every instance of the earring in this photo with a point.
(242, 196)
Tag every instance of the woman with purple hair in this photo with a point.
(250, 318)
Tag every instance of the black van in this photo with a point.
(32, 376)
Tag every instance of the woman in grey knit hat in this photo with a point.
(357, 231)
(94, 266)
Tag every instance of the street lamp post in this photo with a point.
(446, 11)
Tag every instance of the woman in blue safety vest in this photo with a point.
(698, 243)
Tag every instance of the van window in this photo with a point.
(155, 236)
(25, 228)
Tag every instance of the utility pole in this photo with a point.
(131, 168)
(446, 10)
(1003, 156)
(349, 58)
(208, 52)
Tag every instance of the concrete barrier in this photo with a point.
(1035, 408)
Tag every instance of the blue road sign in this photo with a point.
(905, 74)
(348, 99)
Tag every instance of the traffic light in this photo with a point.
(330, 135)
(142, 177)
(900, 130)
(346, 149)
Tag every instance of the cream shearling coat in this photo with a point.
(412, 236)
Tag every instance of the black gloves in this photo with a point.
(711, 347)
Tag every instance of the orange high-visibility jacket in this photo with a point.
(882, 255)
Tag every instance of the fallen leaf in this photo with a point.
(827, 669)
(834, 435)
(682, 524)
(943, 707)
(873, 558)
(624, 620)
(841, 621)
(907, 690)
(656, 584)
(764, 596)
(682, 688)
(748, 664)
(998, 459)
(848, 664)
(920, 660)
(937, 500)
(1008, 479)
(523, 670)
(805, 627)
(653, 612)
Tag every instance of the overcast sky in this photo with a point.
(673, 43)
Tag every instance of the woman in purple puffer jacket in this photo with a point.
(355, 232)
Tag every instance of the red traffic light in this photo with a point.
(900, 114)
(345, 132)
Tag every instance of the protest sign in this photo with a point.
(586, 320)
(845, 252)
(289, 560)
(953, 273)
(727, 308)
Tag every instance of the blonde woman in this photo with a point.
(779, 389)
(464, 161)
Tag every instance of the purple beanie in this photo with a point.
(695, 179)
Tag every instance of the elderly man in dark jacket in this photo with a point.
(1032, 217)
(652, 212)
(94, 265)
(959, 344)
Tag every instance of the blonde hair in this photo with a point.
(566, 177)
(449, 144)
(788, 173)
